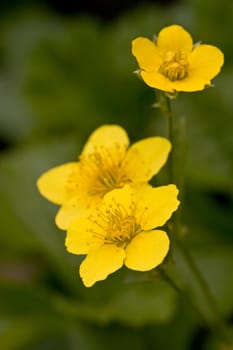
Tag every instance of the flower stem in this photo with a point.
(202, 283)
(176, 134)
(216, 328)
(173, 284)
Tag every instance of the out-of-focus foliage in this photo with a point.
(60, 79)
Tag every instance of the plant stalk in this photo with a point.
(176, 135)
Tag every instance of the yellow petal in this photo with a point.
(122, 196)
(191, 83)
(155, 205)
(157, 81)
(100, 263)
(188, 84)
(108, 136)
(145, 158)
(147, 250)
(53, 184)
(205, 62)
(83, 236)
(146, 54)
(75, 208)
(174, 38)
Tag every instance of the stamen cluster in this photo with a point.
(101, 170)
(174, 66)
(118, 223)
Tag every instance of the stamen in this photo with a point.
(174, 66)
(117, 224)
(101, 170)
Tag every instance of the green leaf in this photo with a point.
(129, 302)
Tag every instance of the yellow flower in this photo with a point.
(173, 63)
(106, 163)
(120, 231)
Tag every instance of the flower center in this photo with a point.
(99, 171)
(118, 224)
(174, 66)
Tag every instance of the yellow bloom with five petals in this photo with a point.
(173, 63)
(106, 163)
(121, 231)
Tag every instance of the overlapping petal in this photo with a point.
(147, 250)
(145, 158)
(83, 236)
(122, 197)
(156, 205)
(100, 263)
(53, 183)
(78, 206)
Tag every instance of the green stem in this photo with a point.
(176, 161)
(172, 283)
(217, 328)
(170, 136)
(201, 281)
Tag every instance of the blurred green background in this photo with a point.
(65, 69)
